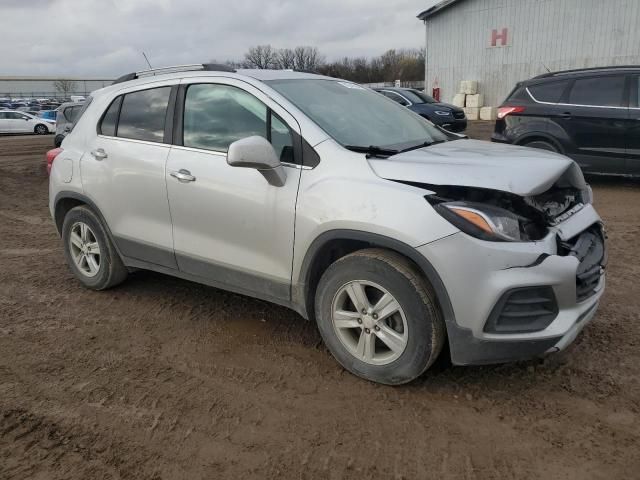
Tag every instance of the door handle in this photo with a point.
(99, 154)
(183, 175)
(566, 115)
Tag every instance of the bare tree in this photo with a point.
(64, 87)
(286, 58)
(262, 56)
(307, 58)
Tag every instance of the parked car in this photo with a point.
(590, 115)
(321, 195)
(66, 115)
(442, 114)
(29, 109)
(12, 121)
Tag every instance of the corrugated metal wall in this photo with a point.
(45, 87)
(558, 34)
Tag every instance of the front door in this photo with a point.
(594, 115)
(19, 123)
(123, 174)
(230, 226)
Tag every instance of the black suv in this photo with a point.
(442, 114)
(591, 115)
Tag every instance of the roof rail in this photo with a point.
(209, 67)
(589, 69)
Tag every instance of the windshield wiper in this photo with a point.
(421, 145)
(372, 150)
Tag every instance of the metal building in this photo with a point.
(500, 42)
(45, 87)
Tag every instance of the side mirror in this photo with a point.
(256, 152)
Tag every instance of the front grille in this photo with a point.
(589, 249)
(458, 114)
(523, 310)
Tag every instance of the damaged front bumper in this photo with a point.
(492, 284)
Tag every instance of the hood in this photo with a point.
(446, 105)
(430, 107)
(473, 163)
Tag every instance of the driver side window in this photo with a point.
(215, 116)
(396, 98)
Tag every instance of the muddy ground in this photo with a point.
(161, 378)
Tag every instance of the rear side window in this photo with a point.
(550, 92)
(71, 113)
(142, 116)
(600, 92)
(110, 118)
(635, 92)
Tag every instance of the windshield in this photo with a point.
(416, 96)
(356, 116)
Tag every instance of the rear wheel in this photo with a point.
(40, 129)
(89, 252)
(542, 145)
(377, 316)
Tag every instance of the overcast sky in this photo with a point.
(105, 37)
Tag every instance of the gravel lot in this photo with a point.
(161, 378)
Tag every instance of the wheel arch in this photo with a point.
(534, 136)
(66, 200)
(334, 244)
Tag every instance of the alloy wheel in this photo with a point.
(84, 248)
(369, 322)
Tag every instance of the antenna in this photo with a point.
(147, 60)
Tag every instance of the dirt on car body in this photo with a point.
(163, 378)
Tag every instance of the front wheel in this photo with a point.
(377, 316)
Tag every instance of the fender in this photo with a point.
(62, 195)
(302, 294)
(130, 252)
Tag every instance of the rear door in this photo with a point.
(123, 172)
(4, 123)
(594, 114)
(633, 126)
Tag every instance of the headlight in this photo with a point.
(486, 222)
(442, 113)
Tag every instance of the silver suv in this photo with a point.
(393, 235)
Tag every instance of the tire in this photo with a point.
(40, 129)
(97, 271)
(418, 320)
(57, 140)
(542, 145)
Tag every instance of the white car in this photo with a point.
(12, 121)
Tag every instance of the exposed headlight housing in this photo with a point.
(484, 221)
